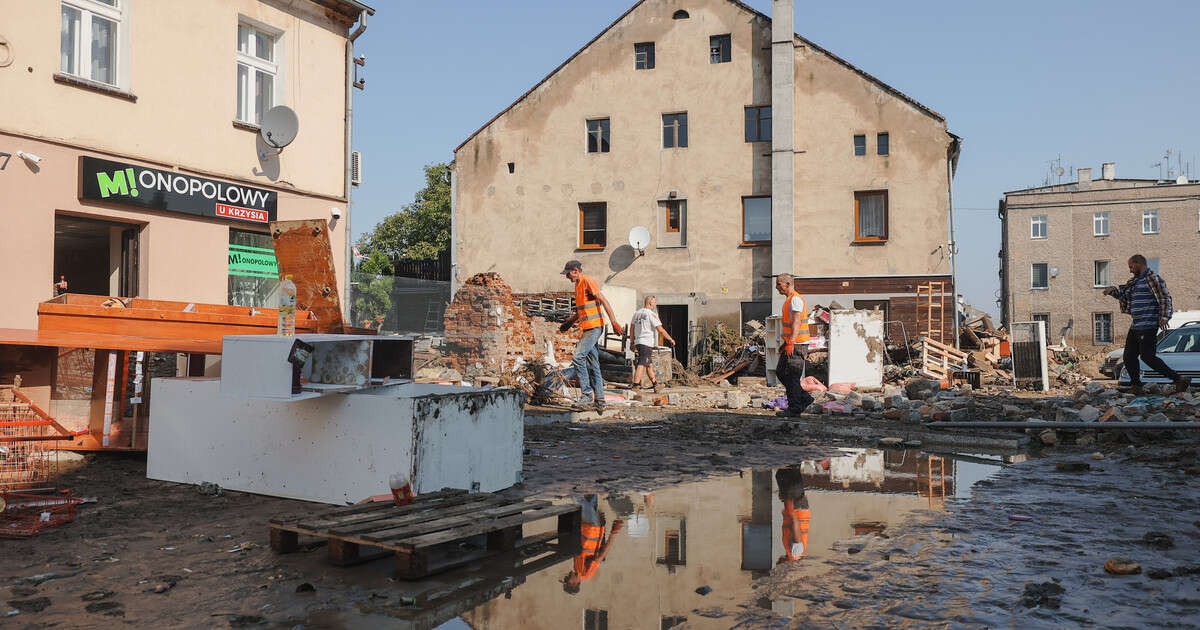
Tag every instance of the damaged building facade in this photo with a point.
(669, 119)
(130, 173)
(1061, 245)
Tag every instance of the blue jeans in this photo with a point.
(586, 364)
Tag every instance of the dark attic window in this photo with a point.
(680, 15)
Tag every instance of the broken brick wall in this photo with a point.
(487, 332)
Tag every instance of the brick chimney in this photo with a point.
(1085, 178)
(1108, 171)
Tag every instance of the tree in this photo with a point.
(421, 229)
(373, 290)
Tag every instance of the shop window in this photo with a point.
(257, 70)
(598, 135)
(672, 223)
(1101, 276)
(593, 225)
(758, 123)
(871, 216)
(1149, 221)
(253, 273)
(95, 257)
(881, 144)
(1039, 276)
(1038, 226)
(1102, 328)
(91, 39)
(719, 49)
(1100, 224)
(860, 145)
(756, 220)
(675, 130)
(643, 56)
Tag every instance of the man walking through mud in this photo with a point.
(586, 363)
(1146, 299)
(790, 369)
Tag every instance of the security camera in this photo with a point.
(336, 212)
(29, 157)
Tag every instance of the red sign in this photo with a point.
(247, 214)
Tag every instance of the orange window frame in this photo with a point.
(674, 207)
(601, 207)
(742, 236)
(858, 195)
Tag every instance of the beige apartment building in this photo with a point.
(1061, 245)
(131, 162)
(744, 154)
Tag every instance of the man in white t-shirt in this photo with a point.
(645, 329)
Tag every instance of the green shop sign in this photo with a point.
(256, 262)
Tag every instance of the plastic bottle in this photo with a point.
(287, 307)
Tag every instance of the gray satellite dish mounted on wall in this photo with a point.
(639, 238)
(279, 127)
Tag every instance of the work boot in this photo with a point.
(599, 406)
(1182, 384)
(583, 402)
(1137, 389)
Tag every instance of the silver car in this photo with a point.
(1180, 350)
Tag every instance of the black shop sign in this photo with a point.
(130, 184)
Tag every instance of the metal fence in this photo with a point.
(395, 304)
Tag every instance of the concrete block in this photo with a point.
(736, 400)
(1089, 414)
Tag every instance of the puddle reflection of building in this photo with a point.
(722, 534)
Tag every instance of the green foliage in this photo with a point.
(373, 293)
(421, 229)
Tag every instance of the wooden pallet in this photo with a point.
(431, 535)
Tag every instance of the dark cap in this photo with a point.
(572, 264)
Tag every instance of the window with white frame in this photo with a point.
(257, 69)
(1101, 328)
(1037, 226)
(1039, 276)
(1149, 221)
(90, 40)
(1101, 276)
(1100, 223)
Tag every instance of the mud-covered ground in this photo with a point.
(161, 555)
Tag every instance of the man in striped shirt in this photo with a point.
(1146, 299)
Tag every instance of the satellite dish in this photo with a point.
(639, 238)
(279, 126)
(1059, 171)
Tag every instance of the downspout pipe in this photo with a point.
(951, 162)
(346, 296)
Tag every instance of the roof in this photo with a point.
(1150, 183)
(743, 6)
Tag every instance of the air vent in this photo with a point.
(355, 168)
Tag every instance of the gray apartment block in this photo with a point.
(1062, 244)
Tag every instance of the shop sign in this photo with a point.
(130, 184)
(256, 262)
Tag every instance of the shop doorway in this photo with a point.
(95, 257)
(674, 319)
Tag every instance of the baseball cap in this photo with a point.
(572, 264)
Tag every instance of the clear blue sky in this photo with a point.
(1022, 82)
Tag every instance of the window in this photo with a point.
(1100, 273)
(860, 145)
(666, 623)
(1149, 221)
(595, 619)
(597, 135)
(593, 225)
(253, 273)
(672, 226)
(680, 15)
(1045, 318)
(756, 220)
(89, 39)
(870, 305)
(755, 311)
(674, 216)
(719, 49)
(643, 56)
(758, 123)
(257, 68)
(1102, 328)
(881, 144)
(871, 216)
(1040, 273)
(1100, 224)
(675, 132)
(1180, 340)
(1037, 226)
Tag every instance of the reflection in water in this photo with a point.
(691, 552)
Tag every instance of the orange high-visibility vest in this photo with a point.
(789, 326)
(586, 562)
(795, 528)
(587, 308)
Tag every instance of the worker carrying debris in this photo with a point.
(585, 365)
(646, 327)
(1146, 299)
(790, 369)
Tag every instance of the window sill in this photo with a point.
(590, 248)
(874, 241)
(670, 247)
(1100, 235)
(102, 88)
(245, 126)
(1148, 233)
(1037, 238)
(755, 244)
(1039, 288)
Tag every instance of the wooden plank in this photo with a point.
(355, 509)
(284, 541)
(388, 508)
(466, 506)
(466, 531)
(480, 520)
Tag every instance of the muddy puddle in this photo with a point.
(693, 555)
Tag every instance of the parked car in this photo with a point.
(1179, 349)
(1114, 361)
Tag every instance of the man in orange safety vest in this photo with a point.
(792, 348)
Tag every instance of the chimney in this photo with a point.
(1108, 170)
(1085, 178)
(783, 97)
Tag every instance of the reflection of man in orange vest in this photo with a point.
(594, 544)
(790, 369)
(796, 515)
(586, 363)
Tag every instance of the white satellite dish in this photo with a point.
(279, 126)
(639, 238)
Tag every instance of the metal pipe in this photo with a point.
(1064, 425)
(954, 151)
(349, 234)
